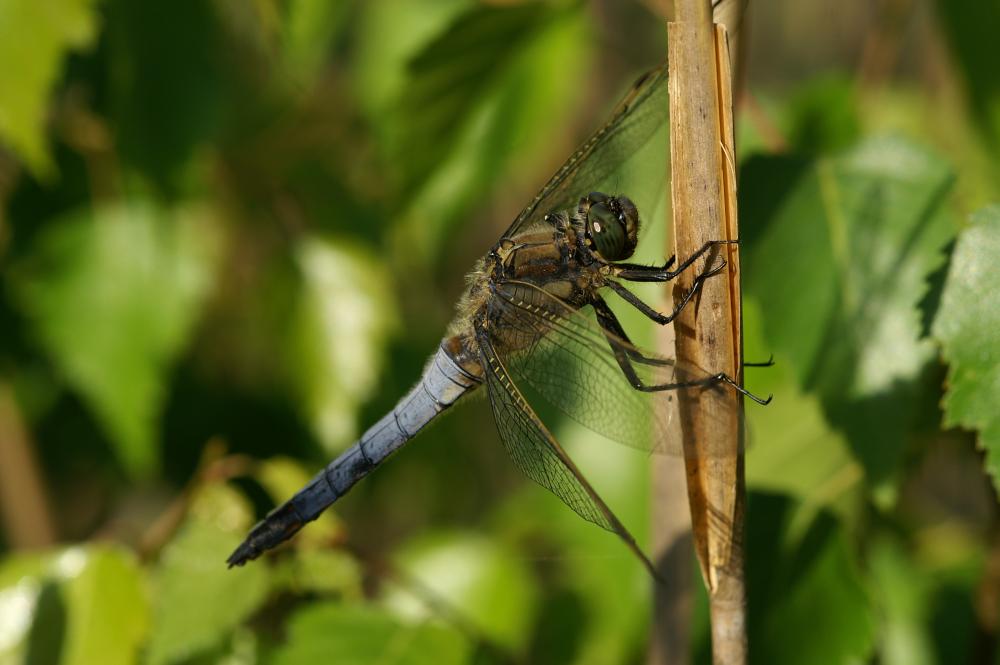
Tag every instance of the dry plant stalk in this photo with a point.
(673, 600)
(708, 332)
(671, 527)
(25, 515)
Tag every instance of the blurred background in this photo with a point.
(232, 232)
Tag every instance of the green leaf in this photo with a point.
(21, 585)
(167, 78)
(390, 34)
(357, 635)
(807, 601)
(904, 598)
(459, 122)
(80, 605)
(967, 326)
(904, 111)
(339, 331)
(34, 39)
(112, 297)
(822, 116)
(107, 609)
(790, 447)
(308, 31)
(325, 571)
(198, 602)
(482, 581)
(450, 76)
(838, 251)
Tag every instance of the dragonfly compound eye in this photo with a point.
(613, 225)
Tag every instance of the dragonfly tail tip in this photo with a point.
(245, 552)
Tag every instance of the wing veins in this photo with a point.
(575, 490)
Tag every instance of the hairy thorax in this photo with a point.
(547, 258)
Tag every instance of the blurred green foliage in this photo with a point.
(34, 39)
(231, 233)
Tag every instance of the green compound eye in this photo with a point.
(607, 232)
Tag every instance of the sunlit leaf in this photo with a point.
(107, 610)
(968, 327)
(322, 570)
(903, 596)
(342, 323)
(21, 580)
(837, 254)
(197, 601)
(390, 34)
(82, 605)
(357, 635)
(449, 77)
(791, 448)
(308, 29)
(34, 39)
(461, 121)
(947, 129)
(480, 581)
(112, 297)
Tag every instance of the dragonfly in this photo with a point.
(533, 324)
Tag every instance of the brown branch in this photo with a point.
(708, 333)
(24, 507)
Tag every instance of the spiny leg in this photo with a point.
(664, 319)
(620, 344)
(615, 335)
(704, 382)
(638, 273)
(640, 268)
(610, 323)
(767, 363)
(709, 381)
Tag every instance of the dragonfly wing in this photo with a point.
(635, 120)
(563, 355)
(537, 453)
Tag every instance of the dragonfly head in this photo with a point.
(612, 226)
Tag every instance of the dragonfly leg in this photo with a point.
(767, 363)
(625, 354)
(620, 345)
(664, 319)
(638, 268)
(638, 273)
(707, 381)
(615, 335)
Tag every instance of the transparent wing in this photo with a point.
(564, 356)
(533, 449)
(635, 120)
(538, 455)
